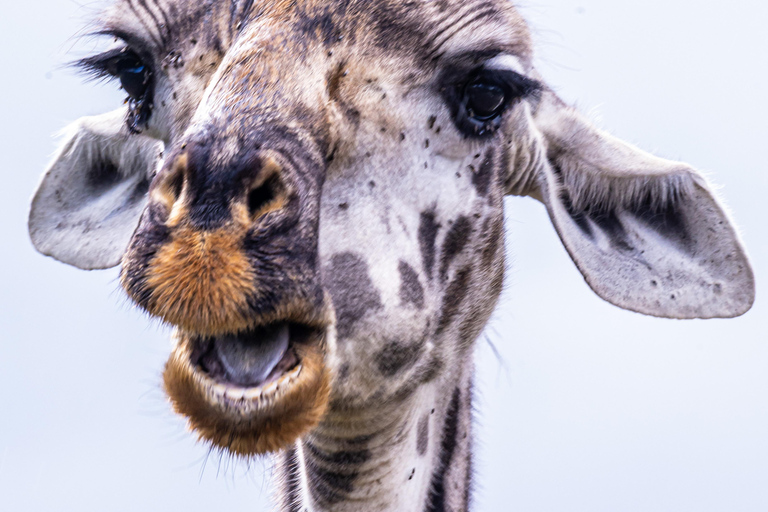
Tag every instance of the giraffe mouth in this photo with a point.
(252, 362)
(254, 391)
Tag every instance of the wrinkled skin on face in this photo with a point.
(324, 216)
(389, 238)
(316, 173)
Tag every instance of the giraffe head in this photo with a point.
(312, 194)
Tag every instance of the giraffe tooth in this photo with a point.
(235, 393)
(220, 389)
(253, 394)
(271, 388)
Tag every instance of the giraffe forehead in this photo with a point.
(426, 29)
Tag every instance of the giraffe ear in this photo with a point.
(648, 234)
(89, 201)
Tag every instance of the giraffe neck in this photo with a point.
(412, 458)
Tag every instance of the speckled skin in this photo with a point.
(406, 237)
(386, 232)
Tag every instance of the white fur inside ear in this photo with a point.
(91, 197)
(648, 234)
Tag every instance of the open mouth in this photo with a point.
(254, 391)
(255, 363)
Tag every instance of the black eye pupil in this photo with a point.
(134, 77)
(484, 100)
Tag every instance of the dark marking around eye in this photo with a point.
(135, 76)
(477, 97)
(260, 197)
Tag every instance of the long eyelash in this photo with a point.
(103, 65)
(517, 85)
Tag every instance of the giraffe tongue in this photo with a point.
(249, 358)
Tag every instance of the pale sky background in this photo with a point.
(589, 409)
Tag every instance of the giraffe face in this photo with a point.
(329, 200)
(324, 227)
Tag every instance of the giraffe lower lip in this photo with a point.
(248, 359)
(227, 407)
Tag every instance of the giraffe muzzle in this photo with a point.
(227, 253)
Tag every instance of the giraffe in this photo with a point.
(311, 193)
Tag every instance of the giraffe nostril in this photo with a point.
(175, 185)
(266, 197)
(171, 185)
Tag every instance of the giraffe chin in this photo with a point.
(281, 403)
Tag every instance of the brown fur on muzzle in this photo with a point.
(201, 281)
(246, 427)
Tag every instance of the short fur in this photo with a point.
(201, 282)
(330, 164)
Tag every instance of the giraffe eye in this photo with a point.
(484, 101)
(134, 77)
(478, 98)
